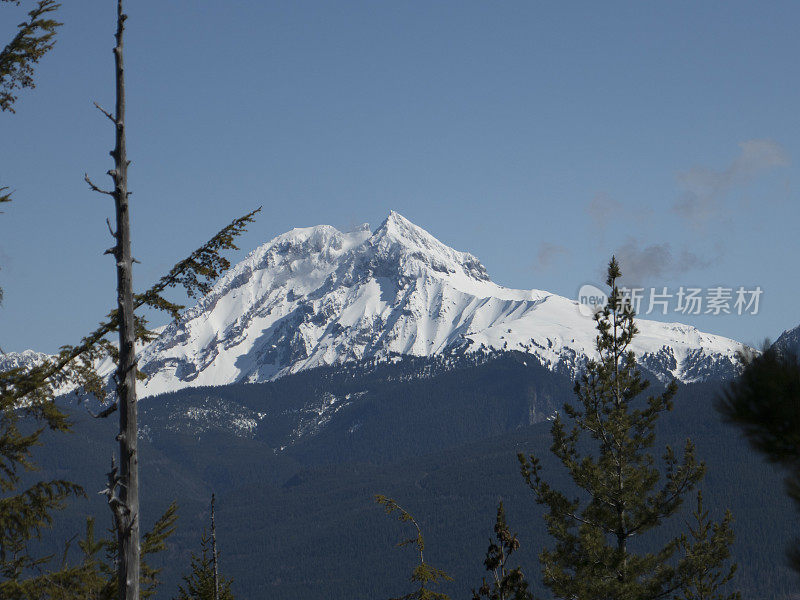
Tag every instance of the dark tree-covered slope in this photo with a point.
(295, 463)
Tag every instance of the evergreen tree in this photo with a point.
(605, 446)
(26, 512)
(423, 574)
(507, 584)
(706, 549)
(199, 584)
(764, 401)
(204, 581)
(94, 575)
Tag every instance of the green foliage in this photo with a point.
(154, 542)
(606, 452)
(98, 576)
(23, 516)
(35, 37)
(423, 574)
(507, 584)
(765, 403)
(92, 578)
(199, 584)
(26, 511)
(706, 550)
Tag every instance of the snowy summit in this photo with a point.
(316, 296)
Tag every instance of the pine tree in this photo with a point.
(605, 445)
(26, 512)
(764, 402)
(423, 574)
(706, 550)
(507, 584)
(204, 581)
(23, 517)
(199, 584)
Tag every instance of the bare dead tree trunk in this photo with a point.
(214, 549)
(128, 517)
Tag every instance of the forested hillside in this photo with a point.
(301, 522)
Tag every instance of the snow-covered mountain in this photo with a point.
(26, 359)
(316, 296)
(789, 341)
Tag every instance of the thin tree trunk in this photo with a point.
(128, 527)
(622, 537)
(214, 549)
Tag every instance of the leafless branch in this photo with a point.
(110, 229)
(94, 188)
(105, 112)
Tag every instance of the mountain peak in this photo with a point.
(316, 296)
(396, 216)
(398, 235)
(397, 225)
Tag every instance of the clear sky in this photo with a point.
(541, 137)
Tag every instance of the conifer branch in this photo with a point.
(423, 573)
(5, 195)
(18, 383)
(35, 37)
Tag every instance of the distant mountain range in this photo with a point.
(25, 359)
(316, 297)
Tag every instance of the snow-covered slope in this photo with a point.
(316, 296)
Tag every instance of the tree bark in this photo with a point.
(128, 517)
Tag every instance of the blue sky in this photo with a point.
(541, 137)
